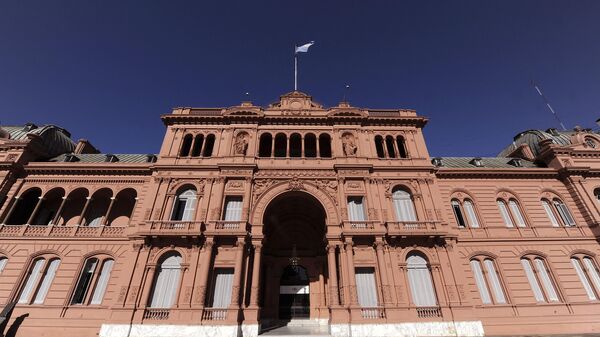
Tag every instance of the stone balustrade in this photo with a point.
(415, 228)
(170, 228)
(61, 231)
(226, 227)
(214, 314)
(156, 314)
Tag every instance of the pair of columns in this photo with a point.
(350, 294)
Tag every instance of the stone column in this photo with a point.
(302, 146)
(333, 281)
(255, 287)
(148, 282)
(110, 206)
(11, 210)
(59, 211)
(85, 207)
(169, 206)
(35, 210)
(205, 262)
(237, 274)
(350, 271)
(385, 288)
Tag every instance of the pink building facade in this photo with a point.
(255, 217)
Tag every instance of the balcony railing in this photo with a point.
(61, 231)
(414, 228)
(156, 314)
(214, 314)
(170, 227)
(372, 313)
(227, 227)
(429, 312)
(362, 227)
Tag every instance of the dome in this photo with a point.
(4, 134)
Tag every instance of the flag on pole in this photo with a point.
(304, 48)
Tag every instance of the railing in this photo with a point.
(414, 227)
(365, 226)
(171, 227)
(428, 312)
(372, 313)
(226, 226)
(61, 231)
(214, 314)
(156, 314)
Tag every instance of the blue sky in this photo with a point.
(106, 70)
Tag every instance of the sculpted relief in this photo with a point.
(240, 145)
(349, 145)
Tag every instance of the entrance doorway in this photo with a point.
(294, 293)
(294, 264)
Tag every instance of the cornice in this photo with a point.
(87, 169)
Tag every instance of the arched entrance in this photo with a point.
(294, 258)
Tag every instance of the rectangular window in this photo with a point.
(46, 282)
(494, 281)
(233, 208)
(32, 279)
(458, 214)
(583, 278)
(356, 209)
(550, 214)
(222, 288)
(470, 210)
(102, 283)
(365, 287)
(504, 212)
(481, 285)
(516, 211)
(533, 282)
(546, 281)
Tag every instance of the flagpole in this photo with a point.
(295, 71)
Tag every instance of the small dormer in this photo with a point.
(516, 162)
(437, 161)
(477, 161)
(70, 158)
(111, 158)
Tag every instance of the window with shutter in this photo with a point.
(366, 287)
(356, 209)
(403, 205)
(102, 282)
(222, 288)
(419, 279)
(516, 212)
(504, 212)
(47, 279)
(233, 208)
(481, 284)
(458, 214)
(583, 278)
(166, 282)
(550, 213)
(470, 210)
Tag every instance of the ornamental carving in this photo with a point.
(235, 185)
(296, 185)
(261, 185)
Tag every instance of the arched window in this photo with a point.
(280, 145)
(465, 213)
(538, 275)
(3, 262)
(588, 273)
(597, 193)
(197, 148)
(74, 206)
(504, 212)
(186, 145)
(209, 145)
(295, 145)
(122, 209)
(389, 145)
(558, 210)
(166, 282)
(403, 205)
(310, 145)
(185, 206)
(38, 280)
(419, 279)
(265, 144)
(487, 278)
(25, 205)
(49, 207)
(93, 281)
(379, 146)
(97, 209)
(402, 153)
(324, 146)
(515, 210)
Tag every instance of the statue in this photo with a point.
(241, 144)
(348, 145)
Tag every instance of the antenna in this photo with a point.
(539, 91)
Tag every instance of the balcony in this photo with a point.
(214, 314)
(429, 312)
(366, 227)
(226, 227)
(62, 231)
(415, 228)
(372, 313)
(156, 314)
(170, 228)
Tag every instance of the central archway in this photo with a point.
(294, 228)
